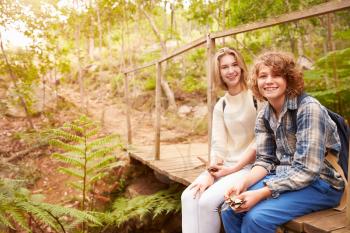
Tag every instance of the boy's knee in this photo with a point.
(226, 213)
(255, 218)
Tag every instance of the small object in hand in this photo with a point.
(213, 169)
(235, 202)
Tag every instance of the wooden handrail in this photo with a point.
(185, 48)
(320, 9)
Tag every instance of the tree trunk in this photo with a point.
(165, 85)
(99, 28)
(23, 102)
(80, 78)
(331, 47)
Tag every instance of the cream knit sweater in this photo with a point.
(233, 128)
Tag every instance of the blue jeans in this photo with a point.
(268, 214)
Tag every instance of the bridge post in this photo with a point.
(127, 108)
(158, 111)
(210, 90)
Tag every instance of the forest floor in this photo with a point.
(35, 164)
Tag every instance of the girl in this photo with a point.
(232, 146)
(293, 132)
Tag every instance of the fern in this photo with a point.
(123, 209)
(17, 205)
(87, 157)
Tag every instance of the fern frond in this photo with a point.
(91, 133)
(102, 141)
(72, 172)
(18, 217)
(39, 214)
(68, 136)
(65, 211)
(67, 147)
(99, 153)
(77, 185)
(103, 163)
(68, 160)
(4, 221)
(97, 177)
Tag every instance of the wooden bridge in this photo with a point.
(180, 162)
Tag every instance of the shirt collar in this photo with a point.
(291, 103)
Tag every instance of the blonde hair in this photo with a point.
(281, 64)
(240, 61)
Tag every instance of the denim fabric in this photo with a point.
(267, 215)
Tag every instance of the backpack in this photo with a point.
(343, 131)
(254, 101)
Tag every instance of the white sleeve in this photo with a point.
(219, 133)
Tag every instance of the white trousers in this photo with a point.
(201, 215)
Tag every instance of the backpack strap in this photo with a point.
(332, 159)
(254, 101)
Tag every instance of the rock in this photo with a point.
(200, 111)
(184, 110)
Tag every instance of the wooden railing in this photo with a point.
(209, 40)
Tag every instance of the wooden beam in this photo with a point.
(191, 45)
(158, 111)
(127, 108)
(285, 18)
(320, 9)
(210, 80)
(140, 67)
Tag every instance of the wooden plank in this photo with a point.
(326, 224)
(176, 150)
(320, 9)
(158, 111)
(298, 223)
(127, 106)
(342, 230)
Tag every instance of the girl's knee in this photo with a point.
(186, 196)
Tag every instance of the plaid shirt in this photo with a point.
(296, 155)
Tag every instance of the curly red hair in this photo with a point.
(281, 64)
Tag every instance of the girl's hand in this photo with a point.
(201, 185)
(218, 171)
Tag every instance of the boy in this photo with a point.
(290, 177)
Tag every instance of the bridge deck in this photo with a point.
(180, 163)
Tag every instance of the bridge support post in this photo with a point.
(127, 108)
(158, 111)
(210, 89)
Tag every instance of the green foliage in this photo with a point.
(321, 84)
(18, 207)
(150, 84)
(124, 210)
(87, 156)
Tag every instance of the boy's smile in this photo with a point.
(272, 87)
